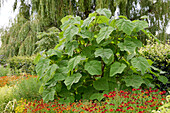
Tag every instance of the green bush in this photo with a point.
(157, 52)
(22, 64)
(6, 95)
(160, 55)
(4, 71)
(94, 56)
(27, 89)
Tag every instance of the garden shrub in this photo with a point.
(6, 95)
(4, 71)
(2, 60)
(160, 55)
(27, 88)
(93, 57)
(22, 64)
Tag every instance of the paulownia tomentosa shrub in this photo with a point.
(93, 56)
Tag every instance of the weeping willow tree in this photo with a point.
(39, 15)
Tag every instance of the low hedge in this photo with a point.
(22, 64)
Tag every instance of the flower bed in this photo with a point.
(7, 80)
(136, 101)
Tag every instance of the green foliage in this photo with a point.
(6, 96)
(24, 64)
(99, 58)
(27, 88)
(4, 71)
(157, 52)
(47, 40)
(160, 55)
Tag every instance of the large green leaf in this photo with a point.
(134, 81)
(163, 79)
(101, 84)
(125, 25)
(105, 54)
(70, 47)
(70, 32)
(52, 52)
(50, 72)
(73, 62)
(61, 74)
(86, 34)
(72, 79)
(41, 67)
(130, 45)
(140, 24)
(104, 33)
(97, 96)
(87, 92)
(94, 67)
(48, 95)
(102, 19)
(148, 83)
(87, 21)
(104, 12)
(117, 67)
(140, 63)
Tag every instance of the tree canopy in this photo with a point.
(40, 15)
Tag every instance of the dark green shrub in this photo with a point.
(93, 57)
(23, 64)
(160, 55)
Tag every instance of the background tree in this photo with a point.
(39, 15)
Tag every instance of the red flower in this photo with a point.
(118, 109)
(111, 109)
(105, 95)
(133, 89)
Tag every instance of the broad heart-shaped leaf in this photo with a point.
(97, 96)
(125, 25)
(72, 79)
(101, 84)
(66, 18)
(50, 72)
(104, 33)
(86, 34)
(117, 67)
(140, 24)
(148, 83)
(87, 21)
(70, 46)
(105, 54)
(163, 79)
(134, 81)
(102, 19)
(130, 45)
(94, 67)
(73, 62)
(104, 12)
(52, 52)
(140, 63)
(48, 95)
(70, 32)
(61, 74)
(41, 67)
